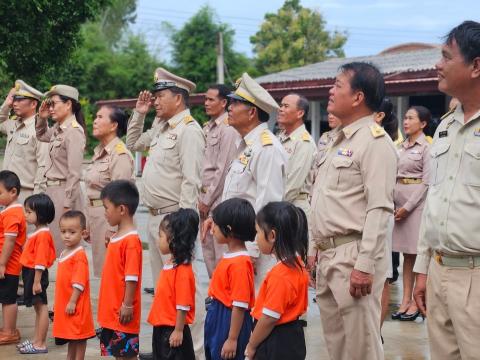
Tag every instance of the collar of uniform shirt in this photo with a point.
(67, 122)
(252, 135)
(27, 121)
(459, 116)
(421, 140)
(99, 149)
(351, 129)
(220, 119)
(175, 120)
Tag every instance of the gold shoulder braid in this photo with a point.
(266, 138)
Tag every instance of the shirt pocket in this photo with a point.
(471, 166)
(438, 166)
(415, 156)
(239, 180)
(21, 147)
(343, 173)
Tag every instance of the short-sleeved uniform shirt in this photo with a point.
(176, 291)
(13, 224)
(283, 294)
(123, 262)
(232, 281)
(39, 250)
(72, 272)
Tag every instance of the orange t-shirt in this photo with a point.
(123, 262)
(175, 291)
(283, 294)
(73, 272)
(39, 250)
(13, 224)
(232, 281)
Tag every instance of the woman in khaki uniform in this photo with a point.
(66, 140)
(410, 193)
(111, 161)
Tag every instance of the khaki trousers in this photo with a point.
(98, 227)
(57, 194)
(156, 262)
(351, 326)
(453, 312)
(212, 253)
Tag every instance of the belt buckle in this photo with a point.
(438, 258)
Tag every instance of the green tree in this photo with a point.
(294, 36)
(39, 34)
(194, 50)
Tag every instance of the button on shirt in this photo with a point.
(414, 162)
(109, 163)
(258, 173)
(301, 150)
(353, 192)
(450, 216)
(24, 154)
(221, 140)
(172, 171)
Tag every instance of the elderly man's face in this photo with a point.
(289, 112)
(239, 114)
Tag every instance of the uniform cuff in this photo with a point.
(67, 203)
(408, 206)
(365, 264)
(271, 313)
(312, 249)
(78, 286)
(421, 264)
(240, 304)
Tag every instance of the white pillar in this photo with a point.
(315, 117)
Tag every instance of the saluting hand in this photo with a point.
(360, 283)
(43, 111)
(9, 99)
(144, 102)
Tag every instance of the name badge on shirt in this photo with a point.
(443, 134)
(476, 132)
(172, 136)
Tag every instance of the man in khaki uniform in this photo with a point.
(351, 204)
(300, 149)
(24, 154)
(171, 177)
(221, 148)
(449, 246)
(258, 173)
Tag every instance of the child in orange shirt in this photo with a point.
(282, 299)
(173, 307)
(228, 324)
(119, 303)
(73, 321)
(13, 230)
(37, 256)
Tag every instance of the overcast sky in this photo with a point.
(372, 25)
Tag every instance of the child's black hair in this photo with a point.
(291, 231)
(122, 192)
(10, 180)
(75, 214)
(43, 207)
(181, 228)
(235, 217)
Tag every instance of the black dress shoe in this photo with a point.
(398, 314)
(410, 317)
(149, 290)
(146, 356)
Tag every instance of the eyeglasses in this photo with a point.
(51, 103)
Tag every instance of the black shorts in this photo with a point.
(118, 343)
(62, 341)
(28, 275)
(8, 289)
(161, 344)
(285, 342)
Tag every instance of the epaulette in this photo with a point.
(306, 136)
(448, 113)
(226, 121)
(266, 138)
(188, 119)
(429, 139)
(377, 130)
(120, 148)
(75, 124)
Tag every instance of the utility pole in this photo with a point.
(220, 61)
